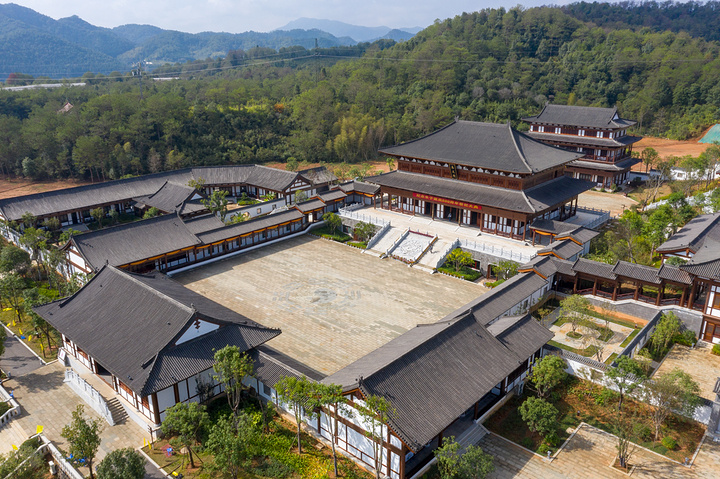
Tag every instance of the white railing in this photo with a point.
(497, 251)
(353, 207)
(89, 394)
(348, 213)
(60, 461)
(14, 407)
(376, 237)
(445, 253)
(397, 242)
(600, 220)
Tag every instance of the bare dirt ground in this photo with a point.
(615, 202)
(11, 188)
(667, 148)
(380, 165)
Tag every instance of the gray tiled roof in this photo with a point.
(533, 200)
(564, 249)
(541, 264)
(692, 235)
(129, 324)
(132, 242)
(437, 371)
(580, 116)
(255, 224)
(169, 198)
(708, 269)
(360, 187)
(647, 274)
(319, 175)
(332, 195)
(310, 205)
(89, 196)
(673, 273)
(272, 365)
(602, 270)
(606, 166)
(591, 141)
(581, 235)
(552, 226)
(485, 145)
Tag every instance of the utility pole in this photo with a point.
(139, 72)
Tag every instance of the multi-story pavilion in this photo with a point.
(598, 133)
(483, 174)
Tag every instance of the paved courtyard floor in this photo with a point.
(333, 303)
(612, 345)
(699, 362)
(47, 402)
(588, 455)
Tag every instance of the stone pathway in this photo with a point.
(588, 455)
(699, 363)
(46, 401)
(17, 359)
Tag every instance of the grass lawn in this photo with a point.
(629, 338)
(22, 329)
(587, 352)
(611, 358)
(465, 273)
(336, 235)
(358, 244)
(582, 401)
(274, 454)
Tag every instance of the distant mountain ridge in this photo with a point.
(35, 44)
(356, 32)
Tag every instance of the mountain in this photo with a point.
(356, 32)
(38, 45)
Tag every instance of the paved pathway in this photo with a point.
(46, 401)
(699, 363)
(17, 359)
(588, 455)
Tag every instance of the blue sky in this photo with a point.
(237, 16)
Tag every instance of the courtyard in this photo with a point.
(333, 303)
(698, 362)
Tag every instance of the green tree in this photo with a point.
(473, 463)
(674, 391)
(217, 203)
(122, 464)
(332, 221)
(539, 415)
(35, 240)
(547, 373)
(83, 436)
(666, 329)
(66, 235)
(98, 215)
(231, 443)
(575, 308)
(51, 224)
(364, 231)
(14, 260)
(624, 427)
(232, 367)
(331, 398)
(114, 216)
(301, 196)
(459, 259)
(296, 392)
(3, 337)
(376, 413)
(188, 422)
(28, 220)
(649, 157)
(34, 297)
(291, 164)
(198, 184)
(627, 241)
(152, 212)
(11, 289)
(505, 269)
(626, 376)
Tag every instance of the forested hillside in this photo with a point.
(342, 104)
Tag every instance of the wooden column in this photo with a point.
(533, 241)
(637, 290)
(683, 297)
(691, 299)
(575, 284)
(615, 290)
(661, 287)
(594, 290)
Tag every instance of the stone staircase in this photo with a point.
(431, 257)
(117, 410)
(387, 240)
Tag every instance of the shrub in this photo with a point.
(526, 442)
(4, 407)
(669, 442)
(605, 396)
(543, 449)
(716, 349)
(642, 432)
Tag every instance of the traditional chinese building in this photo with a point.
(599, 134)
(483, 174)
